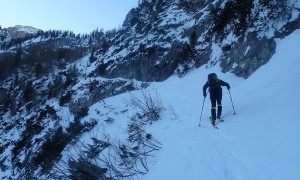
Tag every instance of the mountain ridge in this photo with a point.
(20, 31)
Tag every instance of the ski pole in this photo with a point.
(201, 111)
(232, 103)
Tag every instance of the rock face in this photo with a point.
(19, 31)
(161, 38)
(245, 57)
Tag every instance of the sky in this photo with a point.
(78, 16)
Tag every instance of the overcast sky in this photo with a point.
(79, 16)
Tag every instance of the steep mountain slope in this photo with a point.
(66, 110)
(259, 142)
(159, 37)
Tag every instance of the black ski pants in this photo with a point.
(216, 99)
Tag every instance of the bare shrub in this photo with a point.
(148, 107)
(112, 159)
(109, 159)
(83, 169)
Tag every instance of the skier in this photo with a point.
(215, 91)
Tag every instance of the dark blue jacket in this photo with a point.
(215, 91)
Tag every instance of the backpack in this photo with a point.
(213, 81)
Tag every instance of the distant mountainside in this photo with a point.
(50, 79)
(19, 31)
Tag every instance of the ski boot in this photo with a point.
(213, 122)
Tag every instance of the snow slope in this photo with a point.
(260, 142)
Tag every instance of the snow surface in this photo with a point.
(260, 142)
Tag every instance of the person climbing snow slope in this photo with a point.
(214, 84)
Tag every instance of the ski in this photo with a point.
(215, 126)
(219, 121)
(216, 122)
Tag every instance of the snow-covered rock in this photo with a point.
(19, 31)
